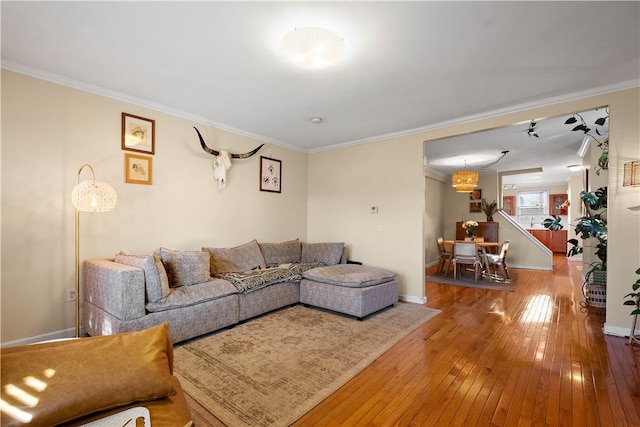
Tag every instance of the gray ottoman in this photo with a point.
(357, 290)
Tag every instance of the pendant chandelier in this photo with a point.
(464, 181)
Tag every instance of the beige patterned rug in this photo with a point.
(273, 369)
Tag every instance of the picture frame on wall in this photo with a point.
(475, 207)
(475, 194)
(138, 169)
(138, 134)
(270, 175)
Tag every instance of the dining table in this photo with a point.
(483, 248)
(492, 247)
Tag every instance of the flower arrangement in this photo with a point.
(470, 228)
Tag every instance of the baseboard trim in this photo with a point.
(617, 331)
(412, 299)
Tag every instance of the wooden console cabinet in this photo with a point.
(488, 230)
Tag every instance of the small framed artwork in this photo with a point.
(475, 194)
(475, 206)
(138, 169)
(270, 174)
(138, 134)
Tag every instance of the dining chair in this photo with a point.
(445, 256)
(497, 261)
(466, 253)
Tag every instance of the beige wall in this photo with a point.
(49, 131)
(433, 218)
(456, 205)
(345, 183)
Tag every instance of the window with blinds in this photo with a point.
(533, 202)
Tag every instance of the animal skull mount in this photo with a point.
(222, 160)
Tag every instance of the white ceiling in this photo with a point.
(408, 66)
(555, 148)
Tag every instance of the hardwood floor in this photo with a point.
(533, 357)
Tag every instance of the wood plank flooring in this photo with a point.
(533, 357)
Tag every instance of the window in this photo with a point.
(533, 203)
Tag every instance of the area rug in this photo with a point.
(273, 369)
(467, 280)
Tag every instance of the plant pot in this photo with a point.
(596, 295)
(599, 277)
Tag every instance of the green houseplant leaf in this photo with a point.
(634, 297)
(553, 223)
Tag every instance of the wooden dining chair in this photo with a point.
(466, 253)
(445, 256)
(497, 261)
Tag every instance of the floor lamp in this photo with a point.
(88, 196)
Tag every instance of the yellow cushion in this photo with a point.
(68, 379)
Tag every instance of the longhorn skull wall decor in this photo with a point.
(222, 160)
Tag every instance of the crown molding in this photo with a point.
(631, 84)
(119, 96)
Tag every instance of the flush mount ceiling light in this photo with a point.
(316, 120)
(464, 181)
(312, 47)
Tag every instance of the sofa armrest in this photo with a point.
(118, 289)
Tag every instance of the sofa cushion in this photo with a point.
(350, 275)
(90, 374)
(241, 258)
(326, 253)
(194, 294)
(185, 267)
(156, 280)
(281, 253)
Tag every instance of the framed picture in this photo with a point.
(270, 174)
(138, 134)
(475, 194)
(137, 169)
(475, 206)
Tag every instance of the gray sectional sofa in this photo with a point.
(198, 292)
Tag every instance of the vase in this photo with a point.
(468, 239)
(489, 218)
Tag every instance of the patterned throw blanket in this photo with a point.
(248, 281)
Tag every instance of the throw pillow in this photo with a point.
(326, 253)
(155, 276)
(234, 260)
(87, 375)
(281, 253)
(185, 268)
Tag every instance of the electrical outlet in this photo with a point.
(71, 294)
